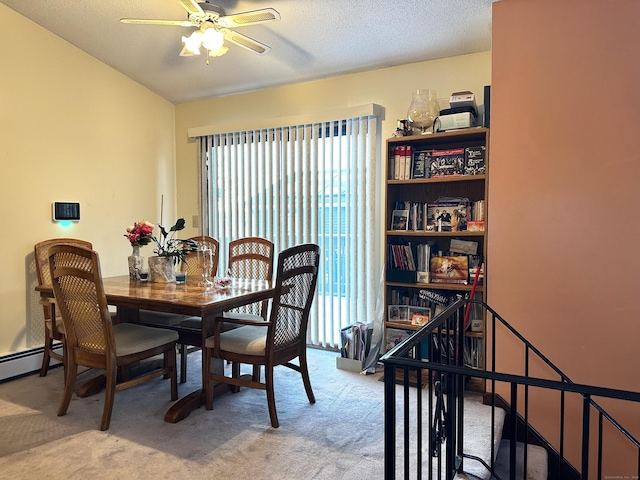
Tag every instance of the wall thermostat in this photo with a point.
(69, 211)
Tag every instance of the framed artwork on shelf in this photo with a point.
(450, 269)
(419, 315)
(400, 220)
(398, 313)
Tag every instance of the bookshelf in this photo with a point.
(452, 174)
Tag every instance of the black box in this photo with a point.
(402, 276)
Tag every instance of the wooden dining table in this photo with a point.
(190, 298)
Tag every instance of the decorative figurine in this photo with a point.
(403, 129)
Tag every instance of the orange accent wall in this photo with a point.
(564, 243)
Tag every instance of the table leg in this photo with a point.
(183, 407)
(92, 386)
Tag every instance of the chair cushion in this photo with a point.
(247, 340)
(160, 318)
(196, 322)
(246, 316)
(131, 338)
(191, 322)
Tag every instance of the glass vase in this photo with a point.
(423, 110)
(136, 261)
(205, 265)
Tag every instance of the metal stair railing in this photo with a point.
(442, 367)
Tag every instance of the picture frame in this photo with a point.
(419, 315)
(400, 220)
(450, 269)
(398, 313)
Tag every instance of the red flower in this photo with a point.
(139, 233)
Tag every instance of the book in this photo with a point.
(474, 160)
(400, 257)
(450, 269)
(408, 151)
(394, 337)
(437, 300)
(463, 246)
(477, 210)
(447, 162)
(398, 162)
(421, 164)
(391, 171)
(356, 341)
(436, 297)
(475, 225)
(424, 256)
(400, 220)
(475, 264)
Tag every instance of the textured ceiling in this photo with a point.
(314, 39)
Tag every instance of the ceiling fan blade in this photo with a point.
(245, 42)
(192, 6)
(140, 21)
(249, 18)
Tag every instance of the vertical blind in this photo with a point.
(312, 183)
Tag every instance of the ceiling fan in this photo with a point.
(214, 28)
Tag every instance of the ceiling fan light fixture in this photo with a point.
(192, 44)
(213, 28)
(212, 39)
(219, 52)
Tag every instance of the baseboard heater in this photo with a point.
(24, 363)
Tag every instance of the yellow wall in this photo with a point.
(72, 129)
(564, 200)
(390, 87)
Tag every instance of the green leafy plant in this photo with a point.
(169, 246)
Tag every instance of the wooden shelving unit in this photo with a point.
(428, 190)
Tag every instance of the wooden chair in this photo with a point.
(250, 257)
(91, 338)
(53, 328)
(275, 342)
(193, 265)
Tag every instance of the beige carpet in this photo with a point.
(340, 437)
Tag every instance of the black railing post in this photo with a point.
(513, 418)
(599, 467)
(449, 426)
(586, 403)
(459, 396)
(430, 436)
(389, 421)
(561, 449)
(407, 429)
(419, 415)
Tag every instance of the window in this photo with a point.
(311, 183)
